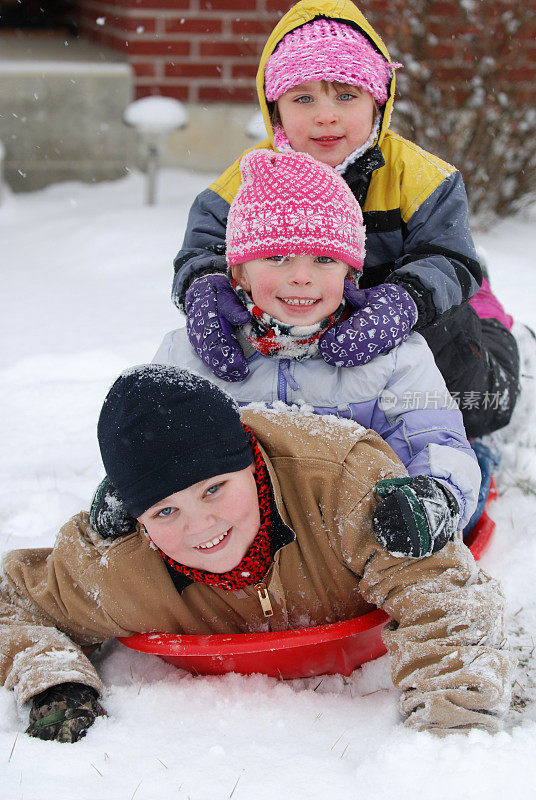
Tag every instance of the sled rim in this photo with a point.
(218, 647)
(224, 644)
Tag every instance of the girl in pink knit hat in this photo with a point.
(295, 244)
(326, 86)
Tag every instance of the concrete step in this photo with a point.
(61, 106)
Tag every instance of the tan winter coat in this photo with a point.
(446, 645)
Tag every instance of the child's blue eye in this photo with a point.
(165, 512)
(346, 96)
(213, 489)
(276, 259)
(303, 98)
(325, 260)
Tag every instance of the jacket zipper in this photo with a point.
(281, 382)
(264, 598)
(285, 379)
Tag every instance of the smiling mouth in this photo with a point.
(298, 301)
(213, 542)
(327, 139)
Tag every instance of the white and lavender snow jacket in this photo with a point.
(401, 395)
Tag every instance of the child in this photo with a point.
(326, 87)
(294, 232)
(239, 531)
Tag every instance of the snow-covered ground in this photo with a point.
(86, 275)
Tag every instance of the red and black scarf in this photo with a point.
(274, 338)
(256, 561)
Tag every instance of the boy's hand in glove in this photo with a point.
(212, 309)
(63, 713)
(416, 516)
(380, 318)
(107, 515)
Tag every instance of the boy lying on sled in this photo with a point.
(245, 524)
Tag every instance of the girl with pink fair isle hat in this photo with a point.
(295, 242)
(326, 86)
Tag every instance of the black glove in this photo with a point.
(63, 713)
(201, 261)
(107, 515)
(416, 516)
(422, 297)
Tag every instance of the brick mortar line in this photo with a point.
(160, 36)
(214, 83)
(113, 30)
(185, 60)
(186, 13)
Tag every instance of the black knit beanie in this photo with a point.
(162, 429)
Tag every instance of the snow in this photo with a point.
(156, 114)
(256, 128)
(86, 276)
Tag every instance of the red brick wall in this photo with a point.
(207, 50)
(194, 50)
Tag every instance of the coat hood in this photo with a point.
(306, 11)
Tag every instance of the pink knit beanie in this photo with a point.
(326, 50)
(291, 204)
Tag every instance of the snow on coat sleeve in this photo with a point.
(419, 419)
(446, 641)
(34, 654)
(50, 612)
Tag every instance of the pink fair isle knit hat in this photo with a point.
(291, 204)
(326, 50)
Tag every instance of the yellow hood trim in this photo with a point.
(306, 11)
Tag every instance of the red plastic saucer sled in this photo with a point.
(338, 648)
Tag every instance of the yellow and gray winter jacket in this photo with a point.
(414, 204)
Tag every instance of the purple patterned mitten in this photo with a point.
(382, 317)
(212, 308)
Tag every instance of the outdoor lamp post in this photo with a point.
(2, 156)
(255, 129)
(153, 119)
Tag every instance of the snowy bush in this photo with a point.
(466, 91)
